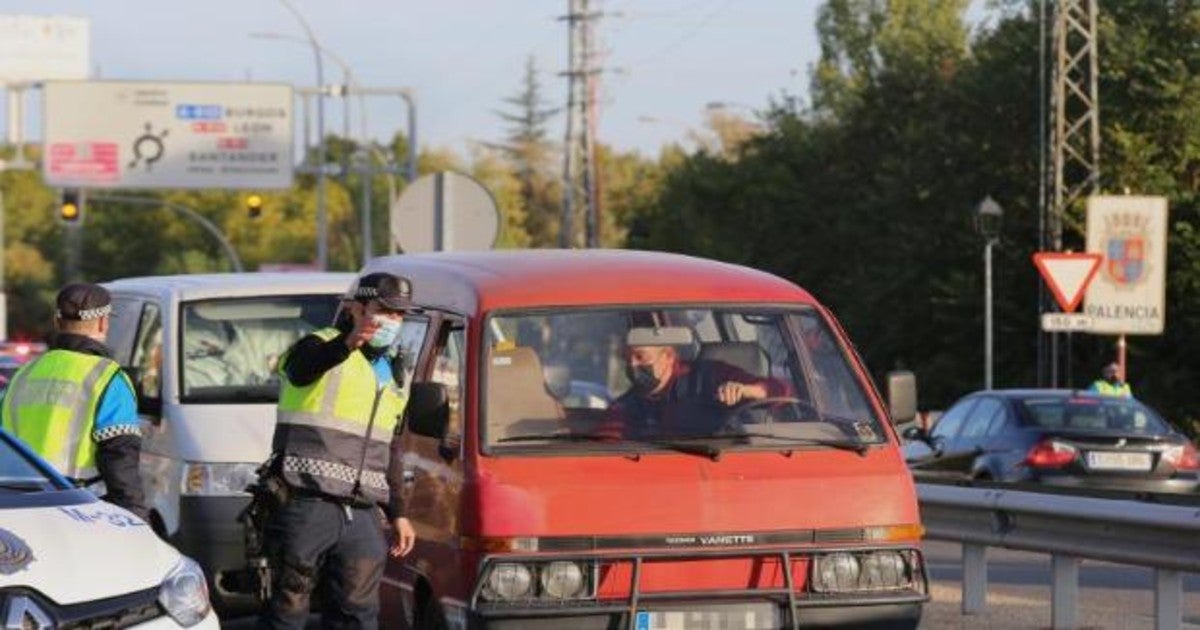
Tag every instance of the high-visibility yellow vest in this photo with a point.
(51, 405)
(334, 435)
(1104, 388)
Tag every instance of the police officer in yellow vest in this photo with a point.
(338, 409)
(1110, 384)
(75, 406)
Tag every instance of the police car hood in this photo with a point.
(80, 553)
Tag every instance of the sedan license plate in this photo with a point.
(1108, 460)
(731, 617)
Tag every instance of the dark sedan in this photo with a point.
(1056, 437)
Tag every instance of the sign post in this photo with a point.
(1067, 275)
(445, 212)
(1129, 294)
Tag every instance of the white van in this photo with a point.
(202, 352)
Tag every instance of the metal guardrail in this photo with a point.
(1150, 530)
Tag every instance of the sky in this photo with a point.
(665, 59)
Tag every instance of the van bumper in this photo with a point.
(891, 615)
(210, 533)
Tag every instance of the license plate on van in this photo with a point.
(1108, 460)
(732, 617)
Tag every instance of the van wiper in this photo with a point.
(845, 445)
(706, 450)
(559, 437)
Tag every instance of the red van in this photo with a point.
(620, 439)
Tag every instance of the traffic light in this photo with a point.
(254, 206)
(70, 207)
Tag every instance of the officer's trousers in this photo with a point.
(311, 539)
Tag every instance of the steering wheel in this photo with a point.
(731, 418)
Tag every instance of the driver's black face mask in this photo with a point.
(642, 377)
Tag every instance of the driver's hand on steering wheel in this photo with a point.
(731, 393)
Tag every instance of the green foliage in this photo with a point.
(531, 156)
(867, 198)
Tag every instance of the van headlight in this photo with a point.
(844, 572)
(563, 580)
(835, 572)
(184, 593)
(218, 479)
(508, 581)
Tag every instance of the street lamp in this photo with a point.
(322, 220)
(988, 217)
(410, 99)
(349, 82)
(349, 79)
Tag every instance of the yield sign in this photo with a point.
(1067, 275)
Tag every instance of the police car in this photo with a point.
(69, 560)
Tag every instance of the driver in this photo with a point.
(670, 396)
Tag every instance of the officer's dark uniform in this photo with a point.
(338, 412)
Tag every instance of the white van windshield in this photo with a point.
(230, 348)
(727, 378)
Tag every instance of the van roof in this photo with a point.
(213, 285)
(471, 282)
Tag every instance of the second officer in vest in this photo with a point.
(74, 405)
(339, 406)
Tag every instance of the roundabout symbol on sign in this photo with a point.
(148, 147)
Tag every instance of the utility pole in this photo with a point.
(1075, 141)
(579, 146)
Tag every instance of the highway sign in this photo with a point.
(131, 134)
(43, 48)
(1128, 296)
(1066, 322)
(1067, 275)
(445, 212)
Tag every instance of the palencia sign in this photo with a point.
(140, 134)
(1128, 294)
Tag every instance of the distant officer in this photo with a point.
(1110, 383)
(75, 406)
(338, 409)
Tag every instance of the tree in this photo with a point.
(531, 154)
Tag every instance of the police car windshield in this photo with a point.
(762, 376)
(230, 348)
(20, 472)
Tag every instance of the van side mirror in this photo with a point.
(902, 396)
(428, 411)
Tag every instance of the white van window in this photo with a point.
(147, 353)
(230, 347)
(123, 326)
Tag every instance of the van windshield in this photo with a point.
(648, 378)
(230, 347)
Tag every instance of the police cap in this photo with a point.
(81, 301)
(389, 290)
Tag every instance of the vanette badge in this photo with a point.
(22, 613)
(15, 555)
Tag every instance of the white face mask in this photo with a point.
(386, 333)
